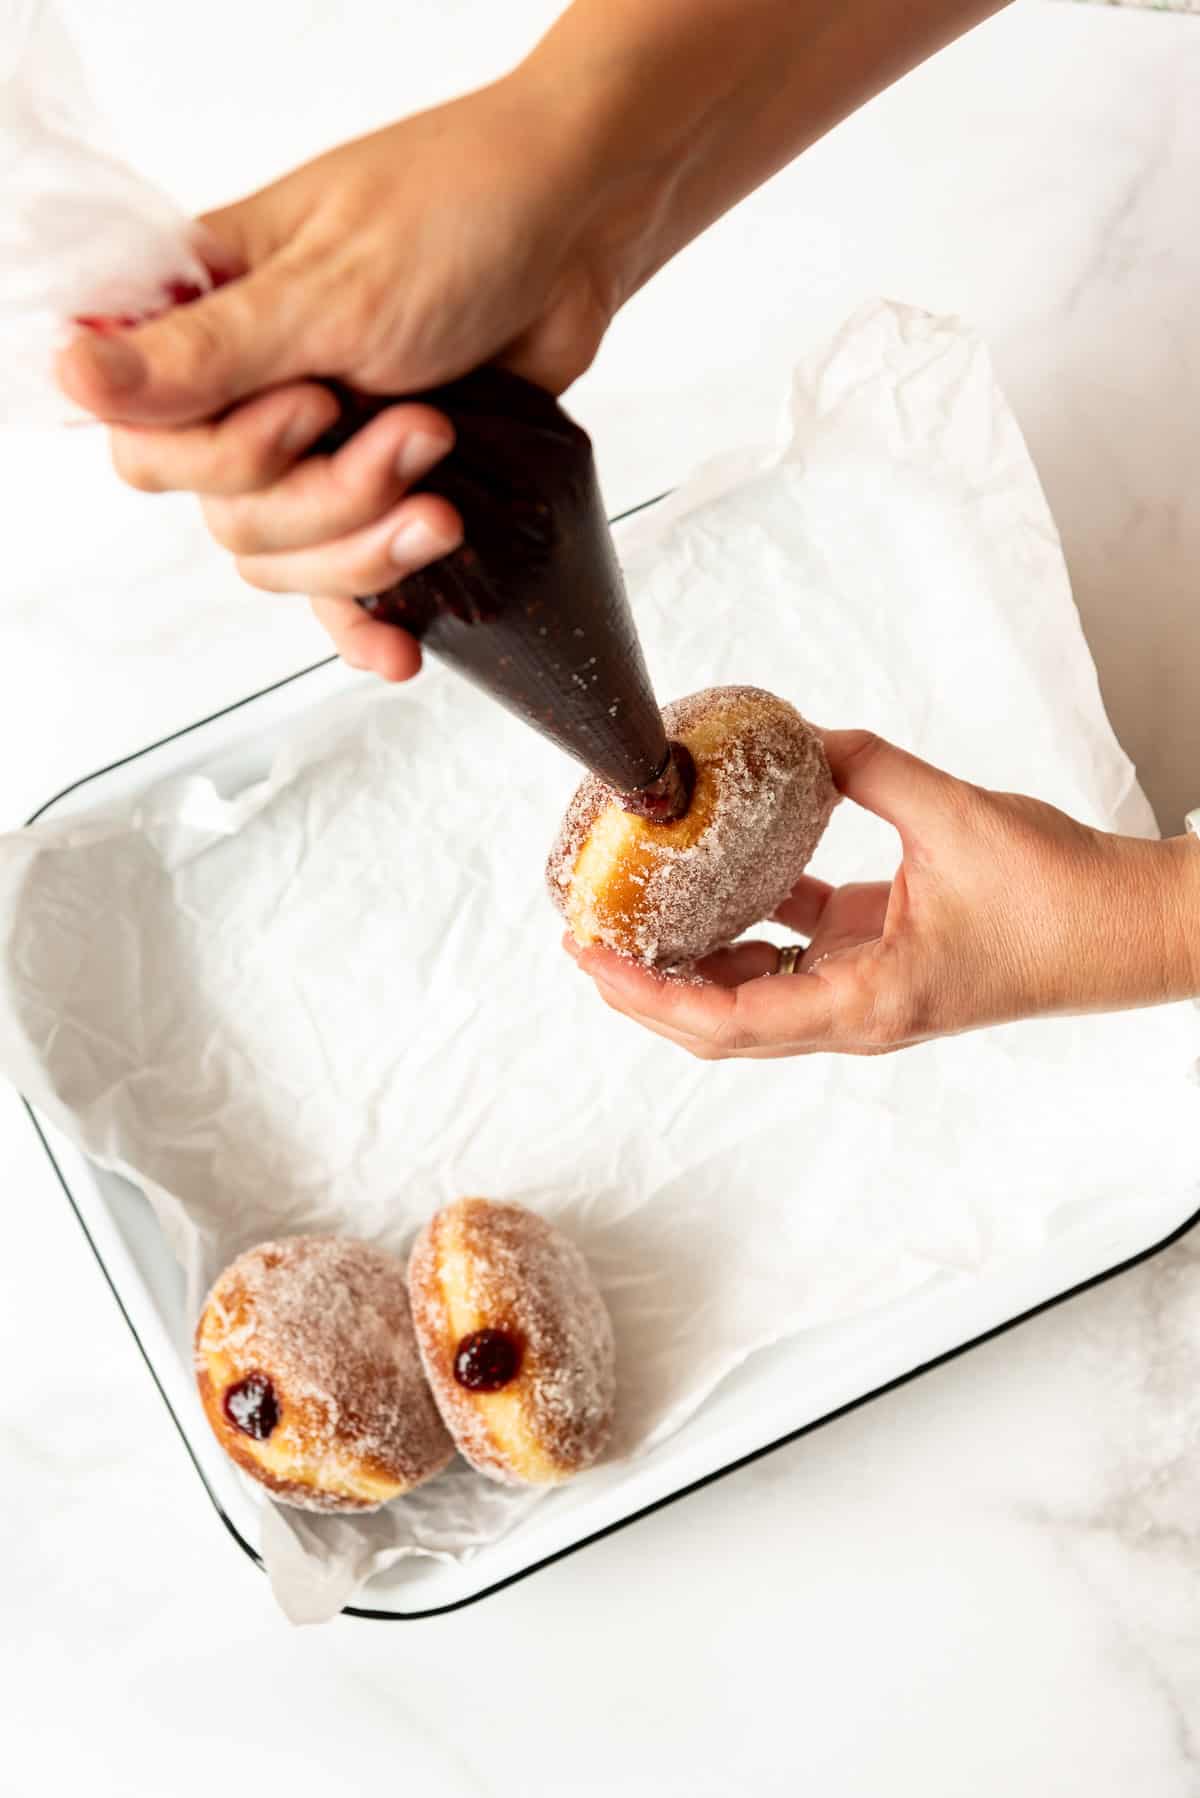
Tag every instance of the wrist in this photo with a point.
(611, 176)
(1186, 856)
(642, 104)
(1161, 903)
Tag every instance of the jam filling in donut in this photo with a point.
(668, 797)
(251, 1406)
(487, 1360)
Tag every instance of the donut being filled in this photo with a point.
(516, 1341)
(309, 1375)
(666, 894)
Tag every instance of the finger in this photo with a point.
(898, 787)
(704, 1049)
(333, 496)
(693, 1044)
(198, 359)
(802, 909)
(225, 250)
(854, 915)
(252, 447)
(418, 531)
(762, 1014)
(650, 995)
(235, 238)
(364, 642)
(726, 967)
(739, 963)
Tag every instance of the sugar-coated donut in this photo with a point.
(670, 893)
(309, 1374)
(516, 1341)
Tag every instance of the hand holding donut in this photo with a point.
(1002, 908)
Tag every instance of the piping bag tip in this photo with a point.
(669, 796)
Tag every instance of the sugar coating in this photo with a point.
(327, 1320)
(767, 795)
(488, 1264)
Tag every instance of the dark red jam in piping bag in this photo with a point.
(532, 606)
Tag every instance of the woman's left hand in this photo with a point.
(1002, 908)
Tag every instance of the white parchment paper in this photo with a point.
(336, 999)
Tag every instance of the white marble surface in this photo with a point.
(986, 1583)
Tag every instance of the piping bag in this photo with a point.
(532, 607)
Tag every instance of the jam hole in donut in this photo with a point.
(251, 1406)
(487, 1360)
(670, 796)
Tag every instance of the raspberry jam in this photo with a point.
(251, 1406)
(487, 1360)
(174, 293)
(668, 797)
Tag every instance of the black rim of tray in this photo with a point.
(658, 1504)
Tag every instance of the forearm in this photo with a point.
(1144, 940)
(676, 109)
(1180, 886)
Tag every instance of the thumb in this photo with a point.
(195, 360)
(908, 793)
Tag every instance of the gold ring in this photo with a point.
(789, 957)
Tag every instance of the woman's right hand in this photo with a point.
(404, 259)
(507, 227)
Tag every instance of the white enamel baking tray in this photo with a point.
(774, 1398)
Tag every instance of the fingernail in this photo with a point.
(121, 367)
(416, 543)
(419, 454)
(305, 424)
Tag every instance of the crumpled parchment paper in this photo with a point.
(336, 999)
